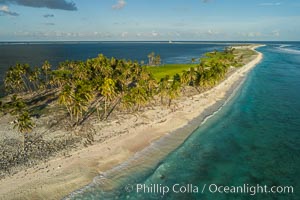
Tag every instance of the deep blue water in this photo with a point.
(35, 53)
(254, 139)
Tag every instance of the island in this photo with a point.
(67, 125)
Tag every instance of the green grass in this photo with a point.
(172, 69)
(169, 69)
(248, 54)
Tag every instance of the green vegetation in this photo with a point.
(245, 55)
(154, 60)
(161, 71)
(55, 110)
(101, 85)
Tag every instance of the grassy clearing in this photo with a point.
(172, 69)
(169, 69)
(246, 54)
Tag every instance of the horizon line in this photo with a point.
(152, 41)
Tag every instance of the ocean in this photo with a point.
(35, 53)
(254, 140)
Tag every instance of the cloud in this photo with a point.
(49, 24)
(48, 15)
(51, 4)
(4, 10)
(155, 34)
(148, 35)
(270, 4)
(276, 33)
(251, 34)
(120, 4)
(255, 35)
(61, 34)
(207, 1)
(124, 34)
(212, 32)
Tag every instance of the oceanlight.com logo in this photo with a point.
(211, 188)
(250, 189)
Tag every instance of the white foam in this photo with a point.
(284, 45)
(283, 48)
(287, 50)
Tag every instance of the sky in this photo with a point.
(149, 20)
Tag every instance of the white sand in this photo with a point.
(59, 177)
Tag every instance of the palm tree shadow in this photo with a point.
(39, 104)
(48, 97)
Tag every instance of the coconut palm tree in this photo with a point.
(139, 96)
(46, 71)
(101, 66)
(136, 70)
(157, 60)
(80, 71)
(24, 125)
(151, 85)
(60, 78)
(23, 71)
(34, 78)
(189, 77)
(174, 89)
(10, 81)
(14, 82)
(108, 92)
(151, 58)
(193, 60)
(122, 75)
(66, 98)
(163, 87)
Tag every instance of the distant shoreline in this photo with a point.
(71, 173)
(137, 42)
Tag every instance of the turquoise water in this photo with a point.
(254, 139)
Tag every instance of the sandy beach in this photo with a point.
(60, 176)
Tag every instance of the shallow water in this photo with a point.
(254, 139)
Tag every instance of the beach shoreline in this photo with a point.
(70, 173)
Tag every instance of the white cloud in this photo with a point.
(120, 4)
(4, 10)
(254, 34)
(63, 35)
(206, 1)
(270, 4)
(271, 34)
(251, 34)
(212, 32)
(154, 34)
(124, 34)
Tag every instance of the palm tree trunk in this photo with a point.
(170, 100)
(25, 84)
(105, 101)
